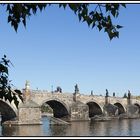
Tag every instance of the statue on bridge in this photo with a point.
(59, 89)
(27, 91)
(113, 94)
(27, 85)
(92, 93)
(129, 94)
(107, 94)
(76, 92)
(76, 89)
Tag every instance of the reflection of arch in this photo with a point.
(136, 104)
(94, 109)
(7, 111)
(121, 109)
(59, 108)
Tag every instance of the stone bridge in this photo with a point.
(61, 102)
(74, 105)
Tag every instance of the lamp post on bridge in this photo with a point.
(52, 88)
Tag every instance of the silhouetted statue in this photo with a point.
(59, 89)
(92, 93)
(113, 94)
(129, 94)
(76, 89)
(106, 93)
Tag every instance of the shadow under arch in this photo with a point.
(7, 112)
(94, 109)
(59, 109)
(136, 104)
(121, 108)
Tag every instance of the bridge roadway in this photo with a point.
(61, 103)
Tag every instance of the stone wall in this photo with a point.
(79, 112)
(29, 113)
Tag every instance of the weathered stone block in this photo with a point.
(79, 111)
(111, 110)
(132, 110)
(29, 113)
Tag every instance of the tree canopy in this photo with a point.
(95, 15)
(6, 91)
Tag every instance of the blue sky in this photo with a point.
(56, 49)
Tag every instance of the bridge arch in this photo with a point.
(136, 104)
(121, 108)
(7, 111)
(94, 108)
(60, 109)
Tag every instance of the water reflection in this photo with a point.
(108, 128)
(78, 129)
(24, 130)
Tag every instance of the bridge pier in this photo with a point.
(79, 112)
(29, 112)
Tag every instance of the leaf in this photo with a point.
(110, 34)
(40, 7)
(3, 69)
(16, 103)
(113, 12)
(10, 99)
(21, 98)
(123, 4)
(97, 15)
(8, 96)
(108, 7)
(18, 92)
(85, 11)
(8, 7)
(9, 18)
(15, 24)
(73, 7)
(34, 8)
(79, 16)
(6, 70)
(117, 34)
(118, 26)
(99, 27)
(4, 80)
(64, 5)
(88, 20)
(93, 24)
(24, 22)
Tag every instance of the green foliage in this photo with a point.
(6, 91)
(100, 16)
(46, 109)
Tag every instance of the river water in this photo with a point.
(125, 127)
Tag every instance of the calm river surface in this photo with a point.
(126, 127)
